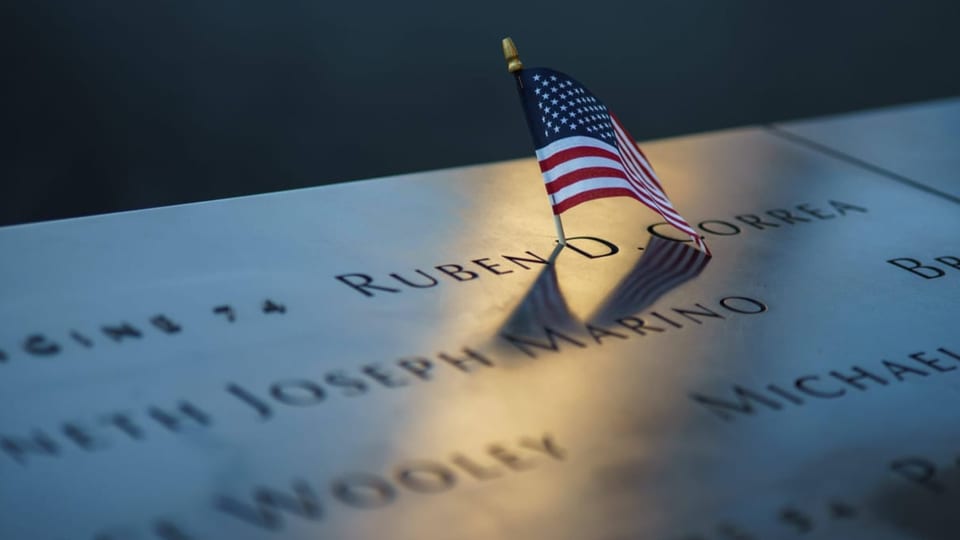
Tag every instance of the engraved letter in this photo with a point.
(815, 212)
(83, 437)
(612, 249)
(300, 392)
(351, 386)
(742, 405)
(426, 477)
(38, 443)
(637, 325)
(949, 261)
(118, 333)
(247, 397)
(916, 267)
(520, 260)
(525, 344)
(546, 445)
(124, 423)
(897, 370)
(386, 378)
(508, 458)
(842, 207)
(731, 229)
(464, 363)
(165, 324)
(490, 266)
(365, 282)
(39, 345)
(755, 221)
(652, 229)
(854, 380)
(419, 366)
(757, 306)
(919, 471)
(432, 283)
(703, 312)
(455, 271)
(803, 385)
(185, 411)
(267, 501)
(932, 362)
(364, 491)
(598, 333)
(786, 216)
(476, 470)
(226, 311)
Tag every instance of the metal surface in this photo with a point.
(316, 415)
(917, 142)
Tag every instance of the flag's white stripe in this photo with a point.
(632, 152)
(603, 182)
(580, 163)
(638, 182)
(632, 159)
(589, 185)
(622, 134)
(679, 223)
(576, 141)
(632, 166)
(629, 154)
(659, 203)
(644, 190)
(667, 212)
(632, 155)
(573, 141)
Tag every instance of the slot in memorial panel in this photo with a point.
(915, 141)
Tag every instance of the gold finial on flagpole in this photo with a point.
(513, 57)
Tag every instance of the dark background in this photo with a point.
(122, 105)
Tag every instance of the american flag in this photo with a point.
(584, 151)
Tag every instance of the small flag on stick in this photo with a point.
(585, 153)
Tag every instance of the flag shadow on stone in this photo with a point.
(542, 306)
(542, 319)
(665, 265)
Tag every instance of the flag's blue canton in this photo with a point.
(559, 107)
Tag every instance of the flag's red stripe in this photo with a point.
(635, 148)
(630, 152)
(585, 173)
(671, 216)
(643, 181)
(656, 201)
(678, 223)
(632, 158)
(639, 192)
(645, 193)
(590, 195)
(574, 153)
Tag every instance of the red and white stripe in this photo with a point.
(577, 169)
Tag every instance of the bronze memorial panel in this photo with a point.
(394, 359)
